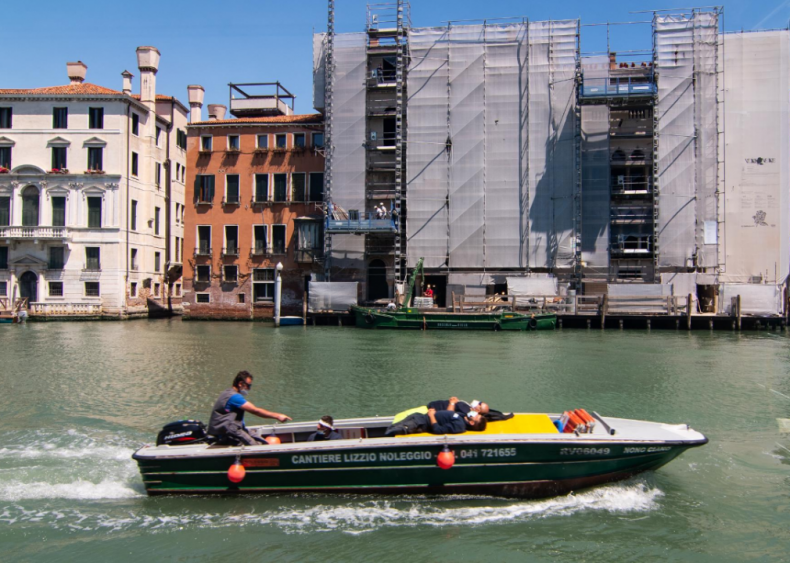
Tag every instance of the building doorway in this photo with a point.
(439, 286)
(377, 280)
(28, 287)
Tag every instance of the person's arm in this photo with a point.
(263, 413)
(451, 406)
(442, 427)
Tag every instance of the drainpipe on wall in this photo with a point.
(128, 196)
(168, 189)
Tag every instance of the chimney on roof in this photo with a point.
(196, 93)
(148, 63)
(77, 72)
(612, 61)
(216, 111)
(127, 82)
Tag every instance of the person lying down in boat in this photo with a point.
(438, 422)
(456, 405)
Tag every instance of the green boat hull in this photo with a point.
(510, 469)
(422, 320)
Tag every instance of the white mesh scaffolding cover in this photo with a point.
(467, 132)
(319, 70)
(757, 169)
(755, 299)
(552, 67)
(348, 136)
(331, 296)
(706, 35)
(675, 41)
(474, 79)
(532, 286)
(427, 161)
(595, 184)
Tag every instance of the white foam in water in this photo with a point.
(68, 465)
(353, 517)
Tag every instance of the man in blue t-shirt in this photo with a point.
(227, 416)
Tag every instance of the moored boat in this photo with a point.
(412, 318)
(525, 456)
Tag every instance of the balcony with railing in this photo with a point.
(34, 233)
(230, 251)
(632, 245)
(632, 215)
(308, 255)
(618, 87)
(642, 187)
(203, 250)
(360, 222)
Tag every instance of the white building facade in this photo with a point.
(92, 196)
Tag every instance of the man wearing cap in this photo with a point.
(326, 431)
(227, 416)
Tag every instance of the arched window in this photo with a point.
(638, 154)
(618, 156)
(30, 204)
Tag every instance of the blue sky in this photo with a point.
(213, 43)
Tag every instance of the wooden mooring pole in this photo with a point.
(604, 305)
(688, 312)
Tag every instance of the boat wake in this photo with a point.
(67, 465)
(339, 514)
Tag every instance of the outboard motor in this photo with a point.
(182, 433)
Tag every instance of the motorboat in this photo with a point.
(530, 455)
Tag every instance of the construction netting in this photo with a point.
(757, 168)
(595, 172)
(348, 138)
(319, 70)
(756, 299)
(686, 51)
(532, 286)
(491, 127)
(331, 296)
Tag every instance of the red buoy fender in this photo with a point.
(236, 473)
(272, 440)
(446, 458)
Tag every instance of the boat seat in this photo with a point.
(519, 424)
(353, 433)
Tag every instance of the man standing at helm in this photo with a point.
(227, 416)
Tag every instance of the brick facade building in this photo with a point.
(257, 191)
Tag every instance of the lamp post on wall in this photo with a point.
(278, 291)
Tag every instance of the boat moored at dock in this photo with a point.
(525, 456)
(421, 319)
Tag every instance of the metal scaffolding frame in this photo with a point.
(328, 140)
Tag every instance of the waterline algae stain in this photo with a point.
(80, 398)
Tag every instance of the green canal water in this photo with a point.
(77, 400)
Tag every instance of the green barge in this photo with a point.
(524, 457)
(411, 318)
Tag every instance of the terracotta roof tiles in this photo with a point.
(86, 88)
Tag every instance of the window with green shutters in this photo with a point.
(30, 202)
(56, 254)
(92, 258)
(59, 158)
(58, 211)
(204, 188)
(298, 186)
(261, 187)
(5, 157)
(232, 188)
(5, 211)
(280, 187)
(94, 212)
(60, 118)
